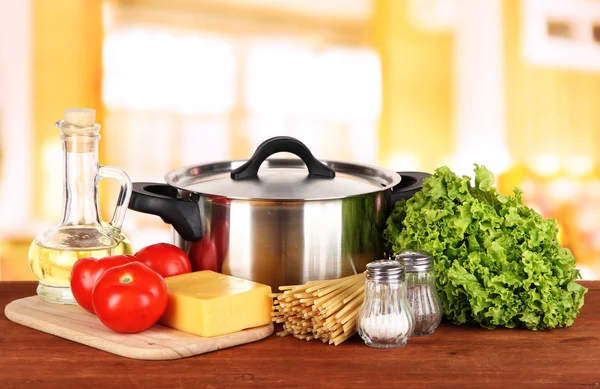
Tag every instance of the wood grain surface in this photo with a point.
(452, 357)
(157, 343)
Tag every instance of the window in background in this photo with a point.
(169, 96)
(330, 98)
(561, 33)
(178, 96)
(552, 88)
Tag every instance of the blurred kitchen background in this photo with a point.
(404, 84)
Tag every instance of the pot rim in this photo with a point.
(377, 178)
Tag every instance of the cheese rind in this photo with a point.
(210, 304)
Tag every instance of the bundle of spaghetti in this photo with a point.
(325, 310)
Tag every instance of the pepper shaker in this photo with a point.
(421, 290)
(385, 319)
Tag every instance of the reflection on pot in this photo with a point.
(211, 251)
(363, 225)
(280, 243)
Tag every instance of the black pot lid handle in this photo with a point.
(279, 144)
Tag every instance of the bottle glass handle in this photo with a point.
(124, 194)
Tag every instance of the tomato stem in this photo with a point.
(126, 278)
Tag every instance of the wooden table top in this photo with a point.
(465, 357)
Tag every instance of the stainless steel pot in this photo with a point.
(278, 221)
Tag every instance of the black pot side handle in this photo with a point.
(410, 183)
(162, 200)
(279, 144)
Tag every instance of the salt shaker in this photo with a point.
(422, 294)
(385, 319)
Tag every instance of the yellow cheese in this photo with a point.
(209, 304)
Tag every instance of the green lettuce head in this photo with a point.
(497, 261)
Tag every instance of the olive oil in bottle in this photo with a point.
(80, 232)
(53, 267)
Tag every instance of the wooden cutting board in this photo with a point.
(157, 343)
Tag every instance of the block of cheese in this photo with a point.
(210, 304)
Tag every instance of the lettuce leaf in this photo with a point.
(497, 261)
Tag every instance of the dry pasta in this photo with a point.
(325, 310)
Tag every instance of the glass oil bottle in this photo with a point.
(80, 232)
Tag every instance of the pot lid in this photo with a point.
(304, 178)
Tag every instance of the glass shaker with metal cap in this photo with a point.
(385, 319)
(422, 294)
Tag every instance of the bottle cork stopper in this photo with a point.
(81, 117)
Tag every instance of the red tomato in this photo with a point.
(203, 255)
(165, 259)
(86, 271)
(130, 298)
